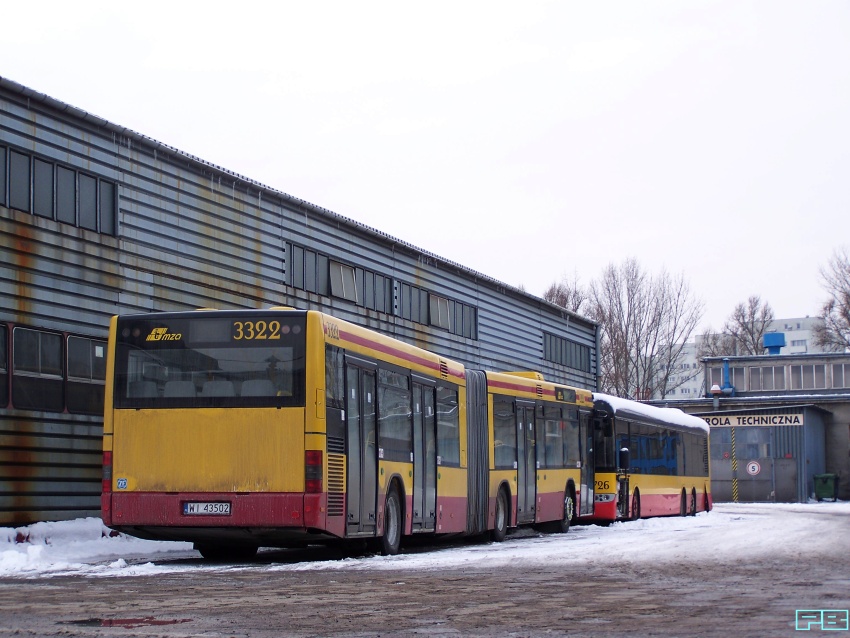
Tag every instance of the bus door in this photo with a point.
(424, 458)
(526, 463)
(622, 457)
(588, 476)
(362, 492)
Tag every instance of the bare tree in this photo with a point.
(681, 313)
(747, 325)
(645, 322)
(569, 294)
(715, 344)
(833, 334)
(743, 332)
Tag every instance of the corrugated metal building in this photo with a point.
(777, 422)
(766, 454)
(96, 219)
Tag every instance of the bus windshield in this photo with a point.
(232, 360)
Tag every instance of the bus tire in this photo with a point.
(500, 523)
(693, 501)
(683, 504)
(635, 513)
(391, 540)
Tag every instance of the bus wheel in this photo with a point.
(683, 504)
(563, 526)
(500, 527)
(227, 552)
(391, 540)
(635, 506)
(693, 501)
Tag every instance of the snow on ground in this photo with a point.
(84, 547)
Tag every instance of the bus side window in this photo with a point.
(335, 392)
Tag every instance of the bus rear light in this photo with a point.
(313, 471)
(106, 483)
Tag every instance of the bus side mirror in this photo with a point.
(625, 458)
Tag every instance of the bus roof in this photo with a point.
(626, 408)
(531, 388)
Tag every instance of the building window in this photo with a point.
(841, 375)
(37, 371)
(469, 327)
(808, 377)
(86, 375)
(440, 315)
(413, 303)
(737, 378)
(19, 181)
(714, 378)
(309, 270)
(52, 191)
(799, 343)
(767, 378)
(310, 275)
(66, 195)
(343, 281)
(88, 201)
(107, 207)
(377, 292)
(42, 193)
(566, 352)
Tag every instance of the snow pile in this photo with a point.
(80, 546)
(729, 534)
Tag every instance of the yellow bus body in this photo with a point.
(211, 450)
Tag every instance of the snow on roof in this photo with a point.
(673, 416)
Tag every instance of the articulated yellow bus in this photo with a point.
(237, 429)
(649, 461)
(540, 472)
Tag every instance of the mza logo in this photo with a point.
(823, 619)
(162, 334)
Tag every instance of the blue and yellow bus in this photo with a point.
(649, 461)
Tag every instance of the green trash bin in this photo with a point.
(826, 486)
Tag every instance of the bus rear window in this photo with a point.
(204, 361)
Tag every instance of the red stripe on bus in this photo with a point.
(511, 386)
(398, 352)
(503, 385)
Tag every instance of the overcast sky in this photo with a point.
(528, 141)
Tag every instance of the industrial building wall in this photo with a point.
(156, 229)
